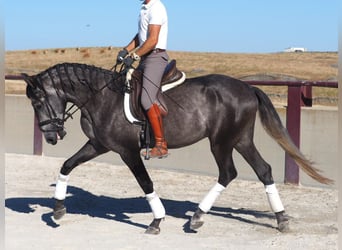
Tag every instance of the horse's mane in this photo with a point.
(82, 66)
(87, 75)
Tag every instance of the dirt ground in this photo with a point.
(106, 209)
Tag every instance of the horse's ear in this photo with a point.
(28, 79)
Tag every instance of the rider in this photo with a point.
(148, 47)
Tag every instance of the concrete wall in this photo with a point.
(319, 142)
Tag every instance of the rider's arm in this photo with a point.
(133, 44)
(151, 41)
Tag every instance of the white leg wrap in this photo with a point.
(211, 197)
(61, 187)
(273, 198)
(156, 205)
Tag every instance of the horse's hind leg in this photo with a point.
(86, 153)
(227, 172)
(263, 170)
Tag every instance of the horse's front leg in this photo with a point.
(89, 151)
(138, 169)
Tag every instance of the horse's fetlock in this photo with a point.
(59, 204)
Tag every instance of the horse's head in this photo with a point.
(48, 106)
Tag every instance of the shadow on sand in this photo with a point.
(82, 202)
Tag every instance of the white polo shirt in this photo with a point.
(153, 13)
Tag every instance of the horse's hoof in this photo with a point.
(196, 220)
(152, 230)
(196, 224)
(284, 226)
(58, 214)
(283, 221)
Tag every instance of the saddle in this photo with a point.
(172, 77)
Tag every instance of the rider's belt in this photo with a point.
(153, 51)
(158, 50)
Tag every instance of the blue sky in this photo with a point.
(254, 26)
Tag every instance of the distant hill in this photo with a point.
(313, 66)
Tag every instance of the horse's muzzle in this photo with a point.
(53, 137)
(61, 134)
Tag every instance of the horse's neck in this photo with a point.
(84, 86)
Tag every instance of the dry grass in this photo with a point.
(313, 66)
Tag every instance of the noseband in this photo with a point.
(57, 124)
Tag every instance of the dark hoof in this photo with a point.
(58, 214)
(196, 224)
(283, 221)
(284, 226)
(196, 220)
(152, 230)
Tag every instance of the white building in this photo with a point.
(295, 49)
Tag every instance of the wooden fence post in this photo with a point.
(293, 114)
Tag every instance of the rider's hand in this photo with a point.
(121, 55)
(128, 61)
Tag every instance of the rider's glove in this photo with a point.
(121, 55)
(128, 61)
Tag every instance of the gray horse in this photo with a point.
(218, 107)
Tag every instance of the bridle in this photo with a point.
(56, 123)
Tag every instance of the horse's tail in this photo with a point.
(274, 127)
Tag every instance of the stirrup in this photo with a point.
(147, 154)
